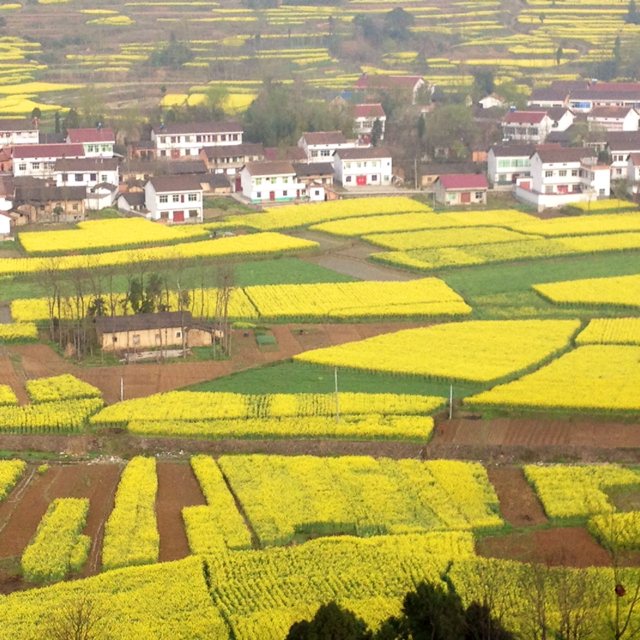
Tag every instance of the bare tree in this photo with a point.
(81, 619)
(225, 278)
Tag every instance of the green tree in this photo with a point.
(331, 622)
(376, 132)
(632, 17)
(396, 24)
(484, 83)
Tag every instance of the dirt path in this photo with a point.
(177, 488)
(567, 546)
(519, 504)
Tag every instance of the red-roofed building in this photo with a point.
(374, 84)
(526, 126)
(98, 142)
(364, 119)
(38, 160)
(461, 189)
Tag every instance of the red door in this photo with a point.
(272, 195)
(175, 153)
(238, 183)
(465, 197)
(178, 216)
(361, 180)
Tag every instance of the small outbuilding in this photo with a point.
(461, 189)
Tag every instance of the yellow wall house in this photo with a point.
(146, 331)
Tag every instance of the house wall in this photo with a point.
(7, 138)
(502, 172)
(98, 149)
(72, 211)
(359, 173)
(5, 225)
(86, 178)
(154, 339)
(188, 202)
(189, 144)
(528, 132)
(456, 198)
(550, 201)
(36, 167)
(282, 188)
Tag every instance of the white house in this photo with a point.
(186, 139)
(101, 196)
(376, 83)
(557, 95)
(38, 160)
(270, 182)
(613, 118)
(562, 175)
(86, 172)
(230, 158)
(620, 146)
(174, 199)
(18, 131)
(319, 146)
(98, 142)
(364, 120)
(363, 167)
(491, 101)
(526, 126)
(5, 224)
(507, 163)
(605, 94)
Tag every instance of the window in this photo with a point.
(574, 172)
(164, 199)
(93, 177)
(548, 174)
(35, 165)
(103, 177)
(178, 334)
(77, 177)
(562, 173)
(258, 180)
(163, 154)
(479, 195)
(284, 194)
(285, 180)
(136, 339)
(258, 194)
(22, 166)
(175, 198)
(193, 197)
(348, 179)
(374, 178)
(164, 215)
(193, 213)
(74, 206)
(114, 338)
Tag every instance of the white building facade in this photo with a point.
(174, 199)
(363, 167)
(270, 182)
(187, 139)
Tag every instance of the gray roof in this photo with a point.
(313, 168)
(170, 184)
(177, 128)
(17, 124)
(234, 150)
(324, 137)
(144, 321)
(363, 154)
(564, 154)
(512, 150)
(184, 167)
(270, 168)
(86, 164)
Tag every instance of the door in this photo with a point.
(361, 180)
(238, 183)
(175, 153)
(272, 195)
(178, 216)
(465, 197)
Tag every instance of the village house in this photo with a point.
(42, 201)
(288, 153)
(317, 177)
(86, 172)
(563, 175)
(362, 167)
(549, 97)
(613, 118)
(179, 140)
(461, 189)
(229, 159)
(492, 101)
(605, 94)
(429, 172)
(151, 331)
(526, 126)
(7, 192)
(507, 163)
(132, 202)
(373, 85)
(319, 146)
(619, 146)
(101, 196)
(365, 117)
(18, 131)
(270, 182)
(39, 160)
(98, 142)
(174, 199)
(633, 173)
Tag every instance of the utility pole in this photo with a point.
(335, 378)
(450, 401)
(121, 388)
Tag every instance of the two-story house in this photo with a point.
(230, 158)
(363, 167)
(38, 160)
(365, 117)
(270, 182)
(526, 126)
(174, 199)
(319, 146)
(507, 163)
(619, 146)
(86, 172)
(613, 118)
(98, 142)
(186, 139)
(14, 131)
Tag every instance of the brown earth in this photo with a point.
(519, 504)
(566, 546)
(177, 488)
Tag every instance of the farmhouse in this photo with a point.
(151, 331)
(86, 172)
(365, 117)
(526, 126)
(619, 146)
(186, 139)
(320, 146)
(38, 160)
(174, 199)
(97, 142)
(613, 118)
(507, 163)
(42, 201)
(18, 131)
(461, 189)
(363, 167)
(317, 177)
(270, 182)
(230, 158)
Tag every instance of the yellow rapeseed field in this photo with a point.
(621, 291)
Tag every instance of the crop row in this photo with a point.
(59, 547)
(18, 332)
(49, 417)
(62, 387)
(131, 533)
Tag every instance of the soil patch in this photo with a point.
(177, 488)
(519, 504)
(566, 546)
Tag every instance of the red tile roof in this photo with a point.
(48, 151)
(374, 110)
(90, 135)
(463, 181)
(524, 117)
